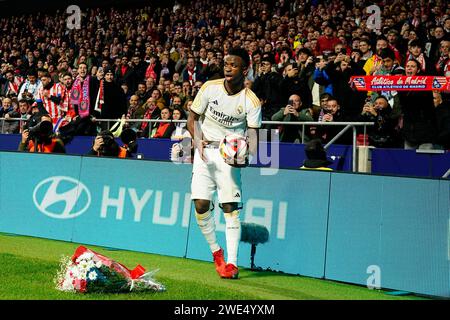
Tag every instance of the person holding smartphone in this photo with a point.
(292, 112)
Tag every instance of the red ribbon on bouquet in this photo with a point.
(120, 268)
(400, 83)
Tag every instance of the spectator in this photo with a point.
(152, 36)
(16, 126)
(434, 44)
(328, 41)
(292, 113)
(443, 63)
(331, 113)
(142, 93)
(151, 111)
(293, 83)
(419, 114)
(10, 84)
(442, 105)
(415, 52)
(321, 77)
(364, 46)
(66, 103)
(164, 129)
(30, 88)
(339, 72)
(192, 72)
(50, 96)
(306, 67)
(83, 96)
(374, 63)
(11, 126)
(180, 131)
(214, 70)
(139, 68)
(7, 107)
(154, 69)
(384, 133)
(267, 87)
(113, 99)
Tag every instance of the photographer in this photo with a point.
(41, 135)
(105, 146)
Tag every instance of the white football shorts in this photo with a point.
(213, 175)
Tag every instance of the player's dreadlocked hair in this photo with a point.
(242, 53)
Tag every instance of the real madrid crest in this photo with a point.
(239, 110)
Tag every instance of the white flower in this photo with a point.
(85, 256)
(75, 272)
(67, 285)
(92, 275)
(91, 264)
(98, 264)
(83, 264)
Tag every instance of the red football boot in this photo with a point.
(231, 272)
(219, 261)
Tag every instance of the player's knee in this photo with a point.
(201, 206)
(229, 207)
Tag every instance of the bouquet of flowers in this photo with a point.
(88, 271)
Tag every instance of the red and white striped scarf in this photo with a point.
(191, 75)
(54, 109)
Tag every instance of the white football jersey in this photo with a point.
(222, 113)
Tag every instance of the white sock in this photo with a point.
(233, 235)
(208, 227)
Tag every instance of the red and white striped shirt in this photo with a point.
(66, 104)
(54, 109)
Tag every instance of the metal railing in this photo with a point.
(347, 125)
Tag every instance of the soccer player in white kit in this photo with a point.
(221, 107)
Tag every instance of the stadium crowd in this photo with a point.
(150, 62)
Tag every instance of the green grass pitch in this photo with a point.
(28, 267)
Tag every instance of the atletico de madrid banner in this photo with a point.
(400, 83)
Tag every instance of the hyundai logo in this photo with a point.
(61, 197)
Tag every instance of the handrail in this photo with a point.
(447, 174)
(347, 125)
(263, 122)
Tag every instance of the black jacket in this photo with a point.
(115, 104)
(419, 116)
(296, 85)
(383, 133)
(268, 87)
(443, 124)
(350, 100)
